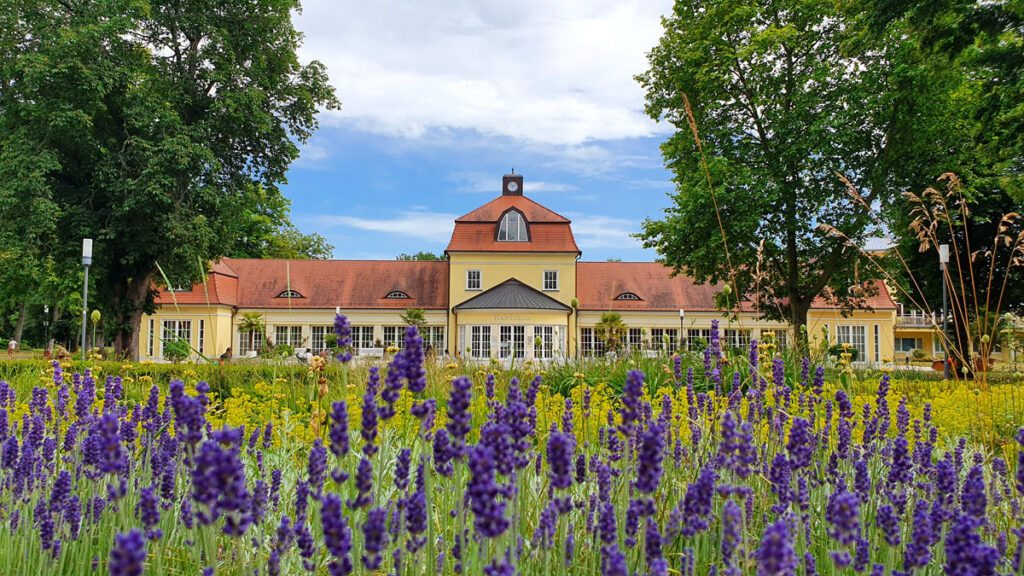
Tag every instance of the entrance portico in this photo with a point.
(512, 321)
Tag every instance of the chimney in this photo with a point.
(512, 185)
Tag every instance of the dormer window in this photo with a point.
(290, 294)
(627, 296)
(512, 228)
(397, 295)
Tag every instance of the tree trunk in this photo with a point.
(19, 327)
(132, 301)
(53, 325)
(798, 309)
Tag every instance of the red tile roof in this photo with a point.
(477, 231)
(599, 283)
(493, 210)
(878, 298)
(221, 288)
(479, 237)
(351, 284)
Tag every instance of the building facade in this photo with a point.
(512, 287)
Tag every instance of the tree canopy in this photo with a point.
(161, 130)
(985, 41)
(421, 255)
(772, 102)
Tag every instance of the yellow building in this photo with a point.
(512, 287)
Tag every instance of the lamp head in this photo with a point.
(86, 251)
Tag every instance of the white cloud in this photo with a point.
(431, 226)
(536, 71)
(491, 184)
(594, 231)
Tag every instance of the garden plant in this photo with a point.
(734, 465)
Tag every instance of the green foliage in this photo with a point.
(265, 232)
(785, 95)
(428, 256)
(414, 317)
(611, 330)
(176, 350)
(837, 350)
(156, 129)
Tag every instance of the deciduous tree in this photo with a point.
(161, 122)
(786, 95)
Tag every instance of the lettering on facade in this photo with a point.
(511, 318)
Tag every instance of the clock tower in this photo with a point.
(512, 185)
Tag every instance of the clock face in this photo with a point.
(513, 186)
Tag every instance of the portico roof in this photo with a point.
(512, 294)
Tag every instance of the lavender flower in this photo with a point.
(919, 547)
(649, 460)
(559, 453)
(128, 556)
(843, 514)
(364, 485)
(375, 537)
(965, 553)
(317, 467)
(732, 531)
(369, 415)
(339, 429)
(343, 330)
(972, 498)
(632, 393)
(459, 416)
(488, 510)
(775, 555)
(415, 374)
(337, 535)
(697, 503)
(802, 443)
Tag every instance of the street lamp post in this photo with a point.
(682, 316)
(943, 264)
(46, 325)
(86, 262)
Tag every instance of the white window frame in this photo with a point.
(851, 338)
(550, 284)
(243, 341)
(201, 336)
(736, 338)
(590, 343)
(657, 337)
(480, 342)
(477, 275)
(152, 336)
(292, 335)
(546, 349)
(362, 337)
(508, 224)
(635, 338)
(174, 328)
(433, 336)
(394, 336)
(515, 335)
(780, 335)
(878, 343)
(694, 334)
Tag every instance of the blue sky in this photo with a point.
(439, 99)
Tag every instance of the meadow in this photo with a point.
(755, 463)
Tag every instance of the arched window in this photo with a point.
(396, 295)
(290, 294)
(513, 228)
(627, 296)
